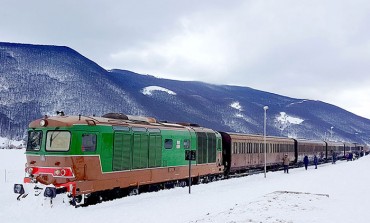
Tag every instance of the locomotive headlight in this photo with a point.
(57, 172)
(18, 189)
(60, 172)
(43, 122)
(50, 192)
(29, 170)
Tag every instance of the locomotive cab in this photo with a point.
(50, 166)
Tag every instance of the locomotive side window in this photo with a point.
(58, 140)
(138, 129)
(219, 144)
(186, 143)
(168, 143)
(34, 140)
(88, 142)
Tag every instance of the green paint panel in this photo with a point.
(117, 151)
(202, 147)
(211, 150)
(155, 150)
(122, 151)
(175, 156)
(144, 151)
(140, 151)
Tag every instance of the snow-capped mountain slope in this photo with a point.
(39, 80)
(240, 109)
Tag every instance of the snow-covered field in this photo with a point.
(5, 143)
(331, 193)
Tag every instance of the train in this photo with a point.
(88, 159)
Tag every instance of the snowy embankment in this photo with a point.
(331, 193)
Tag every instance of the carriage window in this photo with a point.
(88, 142)
(168, 143)
(34, 140)
(58, 140)
(186, 143)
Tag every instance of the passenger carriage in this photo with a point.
(337, 147)
(243, 152)
(310, 148)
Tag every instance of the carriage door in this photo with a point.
(249, 153)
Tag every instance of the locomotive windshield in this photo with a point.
(58, 140)
(34, 140)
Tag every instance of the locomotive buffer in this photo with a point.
(191, 156)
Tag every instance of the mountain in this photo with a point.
(36, 80)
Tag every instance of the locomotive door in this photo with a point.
(87, 144)
(88, 141)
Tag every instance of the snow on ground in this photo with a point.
(285, 118)
(149, 90)
(284, 121)
(236, 105)
(236, 125)
(332, 193)
(5, 143)
(300, 102)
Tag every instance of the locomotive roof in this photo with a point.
(137, 121)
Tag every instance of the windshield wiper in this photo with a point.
(52, 137)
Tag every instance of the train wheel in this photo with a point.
(182, 183)
(169, 185)
(134, 191)
(154, 188)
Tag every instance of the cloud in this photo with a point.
(305, 49)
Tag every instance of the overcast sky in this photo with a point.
(309, 49)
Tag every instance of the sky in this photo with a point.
(333, 193)
(309, 49)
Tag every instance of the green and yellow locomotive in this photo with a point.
(93, 158)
